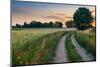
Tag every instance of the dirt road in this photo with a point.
(61, 52)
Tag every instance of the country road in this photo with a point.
(61, 52)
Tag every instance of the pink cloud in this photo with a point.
(68, 17)
(61, 14)
(53, 17)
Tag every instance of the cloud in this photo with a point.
(54, 17)
(62, 19)
(61, 14)
(69, 17)
(58, 18)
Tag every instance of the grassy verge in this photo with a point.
(35, 50)
(72, 54)
(87, 41)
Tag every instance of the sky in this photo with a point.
(45, 12)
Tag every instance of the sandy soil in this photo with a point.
(61, 53)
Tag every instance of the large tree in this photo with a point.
(83, 18)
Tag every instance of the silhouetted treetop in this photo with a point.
(83, 18)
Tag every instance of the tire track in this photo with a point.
(61, 53)
(81, 51)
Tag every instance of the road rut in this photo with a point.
(61, 52)
(81, 51)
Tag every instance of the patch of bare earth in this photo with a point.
(61, 52)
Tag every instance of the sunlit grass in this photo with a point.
(34, 46)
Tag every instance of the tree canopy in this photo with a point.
(83, 18)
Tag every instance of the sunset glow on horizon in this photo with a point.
(43, 12)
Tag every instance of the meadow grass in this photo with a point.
(72, 53)
(34, 46)
(88, 41)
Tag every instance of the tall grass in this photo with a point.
(34, 46)
(87, 41)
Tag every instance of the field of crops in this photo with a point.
(34, 46)
(38, 46)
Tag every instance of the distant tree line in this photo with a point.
(35, 24)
